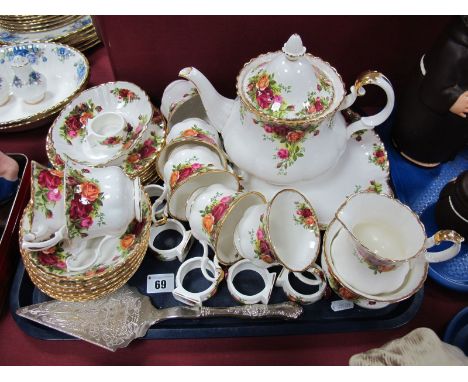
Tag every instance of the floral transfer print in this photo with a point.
(184, 170)
(193, 92)
(33, 53)
(131, 237)
(75, 122)
(142, 154)
(261, 247)
(197, 132)
(305, 217)
(125, 95)
(374, 186)
(377, 268)
(379, 156)
(63, 53)
(289, 141)
(52, 259)
(84, 202)
(48, 190)
(318, 100)
(34, 78)
(130, 134)
(266, 94)
(342, 291)
(215, 211)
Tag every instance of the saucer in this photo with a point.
(363, 166)
(357, 273)
(113, 253)
(65, 32)
(413, 281)
(139, 161)
(68, 132)
(66, 70)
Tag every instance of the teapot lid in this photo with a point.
(290, 86)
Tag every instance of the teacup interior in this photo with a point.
(193, 107)
(293, 230)
(383, 225)
(225, 249)
(178, 200)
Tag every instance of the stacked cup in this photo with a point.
(85, 231)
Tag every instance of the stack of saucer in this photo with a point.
(76, 31)
(112, 124)
(72, 245)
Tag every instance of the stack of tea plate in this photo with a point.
(135, 150)
(97, 254)
(76, 31)
(66, 72)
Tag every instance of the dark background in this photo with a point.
(150, 50)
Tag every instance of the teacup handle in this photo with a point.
(149, 189)
(446, 254)
(204, 262)
(43, 245)
(368, 123)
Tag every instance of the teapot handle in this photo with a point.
(446, 254)
(368, 123)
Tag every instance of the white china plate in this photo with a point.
(65, 68)
(124, 98)
(7, 37)
(412, 282)
(355, 171)
(113, 252)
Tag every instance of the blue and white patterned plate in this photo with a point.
(65, 68)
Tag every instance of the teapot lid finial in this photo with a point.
(293, 47)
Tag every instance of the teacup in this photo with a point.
(180, 100)
(106, 130)
(98, 202)
(48, 200)
(195, 128)
(387, 233)
(284, 231)
(213, 213)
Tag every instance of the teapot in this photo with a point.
(285, 127)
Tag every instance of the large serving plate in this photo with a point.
(363, 166)
(69, 130)
(67, 73)
(67, 31)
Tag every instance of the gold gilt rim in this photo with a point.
(267, 229)
(63, 36)
(144, 242)
(39, 26)
(121, 153)
(80, 38)
(380, 258)
(198, 174)
(50, 110)
(180, 141)
(220, 224)
(288, 122)
(87, 285)
(361, 294)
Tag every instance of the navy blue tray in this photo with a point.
(317, 318)
(419, 188)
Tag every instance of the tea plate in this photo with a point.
(363, 166)
(64, 32)
(65, 68)
(113, 252)
(69, 130)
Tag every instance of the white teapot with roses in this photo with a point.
(285, 126)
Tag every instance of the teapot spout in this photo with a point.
(218, 108)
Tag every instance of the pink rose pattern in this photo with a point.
(125, 95)
(75, 122)
(84, 201)
(52, 259)
(374, 186)
(319, 99)
(215, 211)
(305, 216)
(261, 246)
(184, 170)
(289, 142)
(47, 189)
(266, 94)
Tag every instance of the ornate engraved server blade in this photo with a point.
(112, 322)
